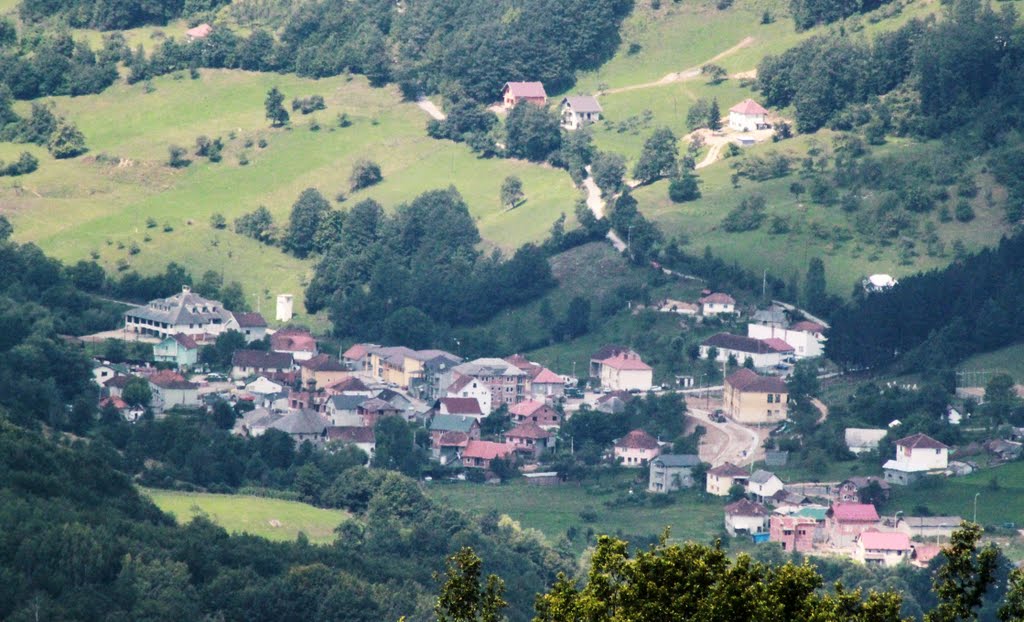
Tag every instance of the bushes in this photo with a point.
(747, 216)
(26, 164)
(365, 173)
(309, 104)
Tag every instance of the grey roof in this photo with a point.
(864, 437)
(348, 402)
(582, 103)
(257, 418)
(394, 398)
(774, 315)
(761, 476)
(441, 362)
(677, 460)
(932, 521)
(396, 355)
(451, 423)
(302, 422)
(489, 367)
(182, 308)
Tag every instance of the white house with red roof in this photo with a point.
(877, 548)
(916, 455)
(636, 449)
(845, 521)
(746, 516)
(171, 389)
(298, 342)
(544, 383)
(514, 92)
(717, 303)
(806, 338)
(748, 116)
(723, 477)
(626, 371)
(460, 406)
(764, 353)
(470, 387)
(537, 412)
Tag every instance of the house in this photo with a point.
(772, 317)
(449, 447)
(544, 383)
(924, 553)
(263, 386)
(468, 386)
(530, 439)
(295, 341)
(460, 406)
(427, 386)
(928, 527)
(185, 313)
(251, 325)
(852, 489)
(506, 383)
(806, 338)
(636, 449)
(349, 386)
(199, 32)
(255, 422)
(723, 477)
(876, 548)
(512, 93)
(763, 485)
(375, 409)
(794, 533)
(613, 403)
(626, 372)
(916, 455)
(748, 116)
(606, 352)
(480, 454)
(441, 424)
(532, 411)
(322, 370)
(403, 367)
(303, 425)
(745, 516)
(128, 413)
(1002, 450)
(361, 437)
(114, 386)
(846, 521)
(343, 410)
(102, 372)
(247, 363)
(765, 353)
(716, 304)
(170, 389)
(179, 349)
(358, 356)
(670, 472)
(954, 416)
(580, 110)
(863, 440)
(752, 399)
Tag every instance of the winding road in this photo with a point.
(596, 204)
(686, 74)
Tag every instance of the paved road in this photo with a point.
(741, 447)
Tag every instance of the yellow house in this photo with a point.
(323, 370)
(400, 365)
(721, 478)
(750, 398)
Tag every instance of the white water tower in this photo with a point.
(284, 307)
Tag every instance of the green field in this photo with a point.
(554, 509)
(1008, 360)
(94, 204)
(955, 496)
(273, 519)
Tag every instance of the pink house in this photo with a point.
(532, 411)
(636, 449)
(876, 548)
(795, 533)
(514, 92)
(530, 439)
(846, 521)
(480, 454)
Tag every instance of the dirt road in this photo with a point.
(430, 108)
(596, 204)
(686, 74)
(728, 441)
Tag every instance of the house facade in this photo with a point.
(303, 425)
(746, 517)
(671, 472)
(579, 111)
(185, 313)
(626, 371)
(179, 349)
(752, 399)
(717, 304)
(506, 383)
(251, 325)
(481, 454)
(748, 116)
(805, 343)
(358, 436)
(514, 93)
(401, 366)
(763, 485)
(247, 363)
(764, 353)
(533, 411)
(323, 370)
(297, 342)
(636, 449)
(530, 439)
(876, 548)
(794, 533)
(846, 521)
(916, 455)
(170, 389)
(723, 477)
(470, 387)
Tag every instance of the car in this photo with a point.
(216, 377)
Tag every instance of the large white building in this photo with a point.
(764, 353)
(185, 312)
(807, 338)
(747, 116)
(916, 455)
(626, 372)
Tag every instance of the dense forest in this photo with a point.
(474, 46)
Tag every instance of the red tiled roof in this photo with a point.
(199, 32)
(924, 553)
(526, 408)
(185, 341)
(885, 541)
(778, 345)
(358, 351)
(461, 405)
(167, 379)
(351, 434)
(250, 320)
(528, 430)
(546, 376)
(744, 380)
(629, 362)
(718, 298)
(740, 343)
(921, 441)
(728, 469)
(807, 327)
(259, 359)
(293, 340)
(854, 512)
(746, 507)
(525, 89)
(349, 384)
(459, 383)
(487, 450)
(323, 362)
(748, 106)
(637, 439)
(114, 401)
(453, 438)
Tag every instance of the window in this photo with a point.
(771, 398)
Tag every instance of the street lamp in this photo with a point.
(976, 508)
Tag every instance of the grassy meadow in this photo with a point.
(998, 504)
(252, 515)
(1008, 360)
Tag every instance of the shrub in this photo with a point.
(964, 211)
(747, 216)
(176, 157)
(683, 188)
(217, 221)
(365, 173)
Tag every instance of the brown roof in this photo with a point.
(626, 361)
(546, 376)
(358, 351)
(461, 405)
(855, 512)
(718, 298)
(807, 327)
(606, 352)
(349, 384)
(323, 362)
(259, 359)
(921, 441)
(746, 507)
(525, 89)
(168, 379)
(185, 341)
(118, 381)
(453, 438)
(376, 405)
(293, 340)
(748, 106)
(528, 430)
(250, 320)
(459, 383)
(351, 434)
(637, 439)
(728, 469)
(747, 381)
(740, 343)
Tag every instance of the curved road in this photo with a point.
(596, 204)
(743, 444)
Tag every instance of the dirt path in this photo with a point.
(712, 156)
(728, 441)
(686, 74)
(596, 204)
(430, 108)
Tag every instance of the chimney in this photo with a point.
(185, 289)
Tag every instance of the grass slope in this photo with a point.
(1008, 360)
(955, 496)
(72, 208)
(252, 515)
